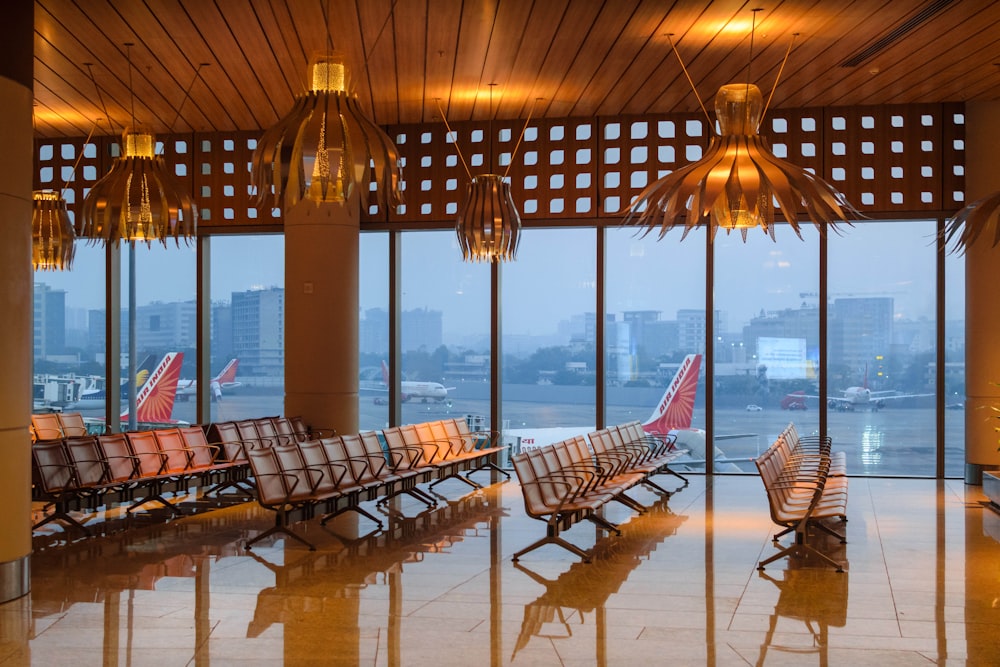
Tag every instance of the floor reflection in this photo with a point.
(585, 587)
(814, 597)
(438, 587)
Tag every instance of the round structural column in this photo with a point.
(321, 313)
(982, 307)
(16, 135)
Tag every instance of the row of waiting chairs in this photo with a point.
(57, 425)
(333, 474)
(88, 471)
(571, 480)
(806, 485)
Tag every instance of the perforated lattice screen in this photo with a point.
(888, 161)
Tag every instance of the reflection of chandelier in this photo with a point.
(982, 215)
(138, 200)
(325, 147)
(52, 234)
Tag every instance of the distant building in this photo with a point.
(258, 324)
(859, 330)
(164, 327)
(49, 321)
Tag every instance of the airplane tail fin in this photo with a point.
(228, 374)
(676, 408)
(155, 402)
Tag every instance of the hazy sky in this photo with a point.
(553, 278)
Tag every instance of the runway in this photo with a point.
(890, 442)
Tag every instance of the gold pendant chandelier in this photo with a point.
(52, 234)
(138, 199)
(737, 181)
(325, 149)
(980, 218)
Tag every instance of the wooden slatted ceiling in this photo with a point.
(583, 57)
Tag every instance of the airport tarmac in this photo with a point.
(890, 442)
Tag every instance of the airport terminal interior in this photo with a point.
(357, 416)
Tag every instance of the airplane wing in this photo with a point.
(894, 396)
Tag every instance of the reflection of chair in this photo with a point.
(587, 586)
(818, 598)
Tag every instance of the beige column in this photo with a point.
(982, 304)
(321, 314)
(15, 298)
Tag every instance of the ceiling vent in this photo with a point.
(897, 33)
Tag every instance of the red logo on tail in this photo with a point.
(676, 408)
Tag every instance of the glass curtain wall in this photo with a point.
(881, 347)
(373, 331)
(550, 322)
(655, 317)
(766, 344)
(247, 278)
(165, 320)
(69, 336)
(954, 366)
(445, 331)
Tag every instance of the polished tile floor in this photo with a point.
(679, 586)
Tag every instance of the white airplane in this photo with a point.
(671, 417)
(411, 390)
(94, 399)
(226, 379)
(855, 398)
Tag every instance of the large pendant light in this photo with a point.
(488, 226)
(325, 149)
(138, 199)
(980, 218)
(738, 179)
(52, 234)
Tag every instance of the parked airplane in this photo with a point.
(95, 399)
(671, 417)
(852, 398)
(155, 401)
(410, 390)
(226, 379)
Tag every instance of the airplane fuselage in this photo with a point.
(422, 391)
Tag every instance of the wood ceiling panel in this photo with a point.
(585, 57)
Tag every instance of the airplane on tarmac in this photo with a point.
(226, 379)
(95, 399)
(671, 417)
(852, 398)
(155, 400)
(411, 390)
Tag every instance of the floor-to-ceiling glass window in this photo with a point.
(444, 330)
(69, 336)
(655, 319)
(954, 366)
(549, 336)
(881, 347)
(247, 329)
(373, 330)
(766, 340)
(162, 350)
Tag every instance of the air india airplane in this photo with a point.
(852, 398)
(671, 417)
(155, 400)
(226, 379)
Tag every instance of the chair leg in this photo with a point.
(553, 539)
(455, 475)
(155, 499)
(491, 466)
(656, 487)
(62, 515)
(360, 510)
(604, 523)
(280, 527)
(630, 503)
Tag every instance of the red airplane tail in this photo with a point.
(155, 402)
(676, 408)
(228, 374)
